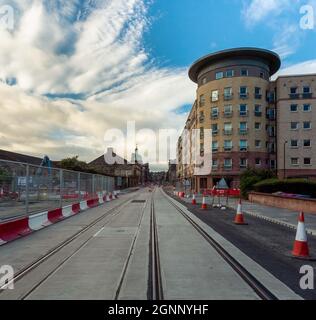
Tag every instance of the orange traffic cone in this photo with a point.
(301, 249)
(204, 205)
(239, 219)
(193, 199)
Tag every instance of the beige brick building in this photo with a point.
(251, 117)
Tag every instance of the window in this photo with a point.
(258, 110)
(244, 72)
(258, 144)
(307, 108)
(228, 145)
(306, 89)
(258, 126)
(293, 90)
(228, 110)
(215, 163)
(243, 144)
(228, 163)
(228, 93)
(294, 143)
(258, 162)
(202, 133)
(294, 107)
(243, 92)
(243, 128)
(202, 100)
(201, 119)
(243, 163)
(294, 125)
(262, 74)
(229, 73)
(272, 164)
(258, 93)
(295, 161)
(214, 113)
(214, 95)
(214, 146)
(307, 143)
(243, 110)
(228, 128)
(307, 125)
(204, 80)
(219, 75)
(307, 161)
(214, 128)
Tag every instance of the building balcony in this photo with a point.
(228, 97)
(294, 96)
(214, 150)
(243, 149)
(243, 131)
(228, 114)
(228, 148)
(243, 113)
(228, 167)
(258, 114)
(307, 95)
(227, 132)
(258, 96)
(214, 116)
(215, 133)
(244, 95)
(201, 119)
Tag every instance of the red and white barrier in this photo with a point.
(39, 221)
(17, 228)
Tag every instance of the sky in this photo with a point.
(72, 70)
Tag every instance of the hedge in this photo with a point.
(295, 186)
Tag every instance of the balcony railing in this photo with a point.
(307, 95)
(243, 149)
(227, 132)
(228, 114)
(243, 131)
(294, 96)
(228, 148)
(201, 119)
(258, 96)
(243, 95)
(243, 113)
(228, 97)
(214, 132)
(214, 149)
(258, 114)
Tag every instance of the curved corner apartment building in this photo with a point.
(235, 101)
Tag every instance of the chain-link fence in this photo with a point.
(26, 189)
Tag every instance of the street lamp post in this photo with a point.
(284, 154)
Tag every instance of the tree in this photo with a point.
(252, 176)
(73, 164)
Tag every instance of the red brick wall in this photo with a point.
(308, 206)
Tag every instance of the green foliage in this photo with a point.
(296, 186)
(251, 177)
(4, 175)
(75, 164)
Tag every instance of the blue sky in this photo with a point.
(72, 71)
(185, 30)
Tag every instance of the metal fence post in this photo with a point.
(27, 199)
(79, 186)
(61, 186)
(93, 184)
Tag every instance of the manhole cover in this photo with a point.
(138, 201)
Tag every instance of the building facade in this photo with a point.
(250, 116)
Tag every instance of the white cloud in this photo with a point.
(255, 11)
(92, 51)
(306, 67)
